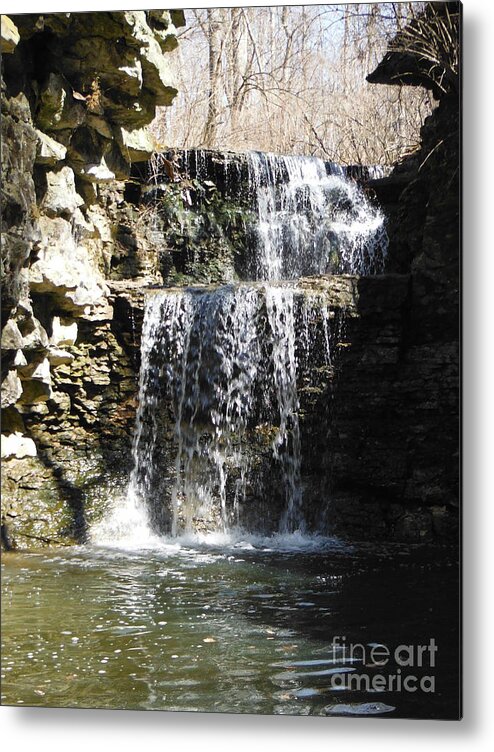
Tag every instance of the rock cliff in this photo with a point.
(77, 92)
(421, 197)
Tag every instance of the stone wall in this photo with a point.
(422, 200)
(393, 442)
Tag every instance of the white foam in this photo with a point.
(126, 526)
(115, 533)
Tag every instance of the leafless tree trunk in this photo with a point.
(214, 30)
(235, 55)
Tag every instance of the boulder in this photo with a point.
(20, 359)
(119, 67)
(11, 389)
(37, 388)
(136, 145)
(12, 420)
(129, 112)
(38, 367)
(23, 333)
(95, 158)
(61, 196)
(117, 162)
(83, 227)
(157, 75)
(177, 16)
(164, 28)
(100, 125)
(57, 109)
(24, 312)
(64, 269)
(101, 224)
(87, 149)
(64, 331)
(35, 337)
(96, 172)
(11, 336)
(60, 402)
(58, 357)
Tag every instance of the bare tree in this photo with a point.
(292, 79)
(215, 31)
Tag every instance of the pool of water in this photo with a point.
(251, 626)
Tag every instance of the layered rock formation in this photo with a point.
(78, 91)
(422, 201)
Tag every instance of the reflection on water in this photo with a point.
(244, 626)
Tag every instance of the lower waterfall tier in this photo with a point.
(222, 377)
(391, 399)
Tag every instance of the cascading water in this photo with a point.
(222, 366)
(312, 220)
(225, 362)
(286, 445)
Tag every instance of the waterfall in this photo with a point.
(223, 362)
(212, 339)
(312, 220)
(286, 445)
(221, 367)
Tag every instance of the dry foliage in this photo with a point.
(291, 79)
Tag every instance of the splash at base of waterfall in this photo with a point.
(127, 528)
(126, 525)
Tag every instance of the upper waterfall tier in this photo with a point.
(306, 216)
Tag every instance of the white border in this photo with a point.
(54, 730)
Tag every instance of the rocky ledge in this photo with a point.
(78, 91)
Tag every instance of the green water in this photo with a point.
(231, 628)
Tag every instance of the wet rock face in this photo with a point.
(421, 198)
